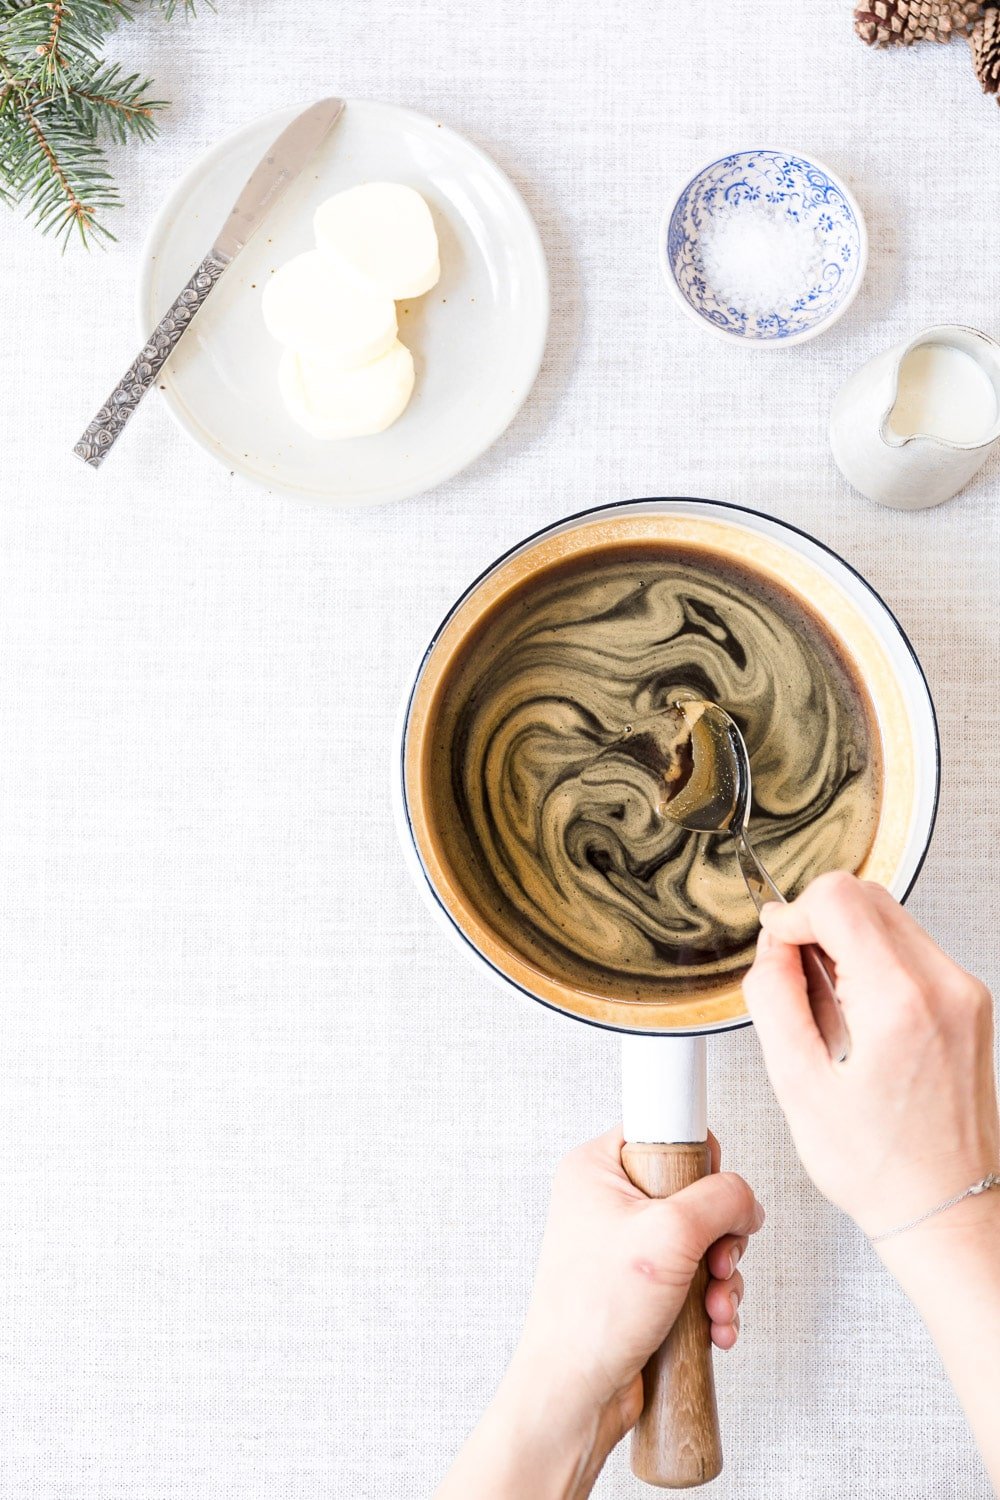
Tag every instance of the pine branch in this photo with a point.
(108, 104)
(60, 100)
(64, 175)
(6, 142)
(44, 39)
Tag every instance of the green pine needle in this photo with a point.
(107, 104)
(61, 102)
(58, 170)
(43, 40)
(190, 7)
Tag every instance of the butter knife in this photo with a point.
(273, 173)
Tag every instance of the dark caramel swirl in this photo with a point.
(562, 849)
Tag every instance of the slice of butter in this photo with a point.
(331, 403)
(309, 308)
(384, 232)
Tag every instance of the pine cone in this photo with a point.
(985, 44)
(889, 23)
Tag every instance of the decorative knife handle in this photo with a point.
(100, 436)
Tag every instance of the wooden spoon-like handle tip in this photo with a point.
(676, 1442)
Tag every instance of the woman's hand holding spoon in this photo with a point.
(699, 754)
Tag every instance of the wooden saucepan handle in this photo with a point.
(676, 1442)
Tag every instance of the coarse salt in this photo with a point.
(759, 260)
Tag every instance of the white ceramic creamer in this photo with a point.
(912, 426)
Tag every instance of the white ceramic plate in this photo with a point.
(477, 337)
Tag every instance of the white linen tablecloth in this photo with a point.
(274, 1160)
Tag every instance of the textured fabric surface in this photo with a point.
(273, 1160)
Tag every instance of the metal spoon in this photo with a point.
(700, 755)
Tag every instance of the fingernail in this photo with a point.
(734, 1259)
(734, 1298)
(759, 1215)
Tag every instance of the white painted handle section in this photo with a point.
(664, 1089)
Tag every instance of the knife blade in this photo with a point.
(281, 165)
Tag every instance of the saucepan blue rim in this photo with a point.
(518, 546)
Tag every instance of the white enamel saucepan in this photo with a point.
(676, 1443)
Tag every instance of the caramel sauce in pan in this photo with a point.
(567, 858)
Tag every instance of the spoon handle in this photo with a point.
(823, 999)
(824, 1002)
(759, 883)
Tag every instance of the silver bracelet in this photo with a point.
(991, 1180)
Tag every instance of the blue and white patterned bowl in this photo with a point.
(775, 183)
